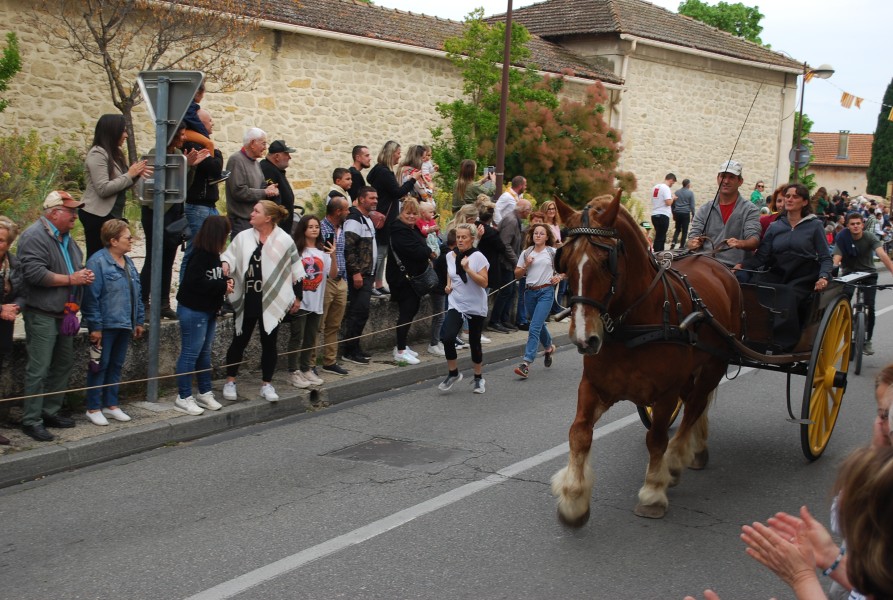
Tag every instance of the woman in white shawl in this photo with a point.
(266, 270)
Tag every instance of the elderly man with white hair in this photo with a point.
(245, 185)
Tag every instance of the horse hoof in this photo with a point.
(574, 523)
(675, 476)
(700, 460)
(651, 511)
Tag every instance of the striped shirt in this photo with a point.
(329, 230)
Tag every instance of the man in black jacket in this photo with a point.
(273, 167)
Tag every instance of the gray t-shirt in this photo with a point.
(864, 260)
(685, 201)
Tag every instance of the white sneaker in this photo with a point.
(187, 405)
(436, 350)
(229, 391)
(268, 393)
(406, 359)
(312, 378)
(485, 339)
(208, 401)
(411, 351)
(116, 413)
(97, 418)
(297, 379)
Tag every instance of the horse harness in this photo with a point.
(633, 336)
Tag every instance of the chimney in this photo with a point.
(843, 142)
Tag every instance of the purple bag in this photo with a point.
(70, 323)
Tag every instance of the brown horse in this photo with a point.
(645, 334)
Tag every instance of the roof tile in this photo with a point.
(825, 148)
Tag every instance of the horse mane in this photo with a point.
(624, 222)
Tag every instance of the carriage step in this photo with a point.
(801, 421)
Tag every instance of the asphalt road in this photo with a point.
(418, 494)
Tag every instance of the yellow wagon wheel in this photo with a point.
(826, 378)
(645, 414)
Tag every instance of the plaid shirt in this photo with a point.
(329, 229)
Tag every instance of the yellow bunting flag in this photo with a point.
(890, 116)
(846, 100)
(808, 77)
(858, 102)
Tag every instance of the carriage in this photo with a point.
(630, 309)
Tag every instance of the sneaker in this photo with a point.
(376, 293)
(522, 370)
(383, 291)
(547, 358)
(356, 359)
(460, 344)
(268, 393)
(447, 383)
(97, 418)
(311, 378)
(297, 379)
(411, 351)
(187, 405)
(511, 327)
(867, 349)
(364, 354)
(336, 369)
(208, 401)
(229, 391)
(116, 413)
(406, 359)
(462, 340)
(498, 327)
(485, 339)
(169, 313)
(436, 349)
(524, 326)
(480, 386)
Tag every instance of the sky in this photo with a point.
(851, 36)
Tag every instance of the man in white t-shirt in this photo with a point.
(661, 210)
(509, 199)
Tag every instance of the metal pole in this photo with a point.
(799, 130)
(503, 101)
(157, 247)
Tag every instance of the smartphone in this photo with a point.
(328, 238)
(491, 170)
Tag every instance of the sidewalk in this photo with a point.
(158, 424)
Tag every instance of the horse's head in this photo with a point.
(590, 258)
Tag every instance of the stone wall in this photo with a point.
(837, 179)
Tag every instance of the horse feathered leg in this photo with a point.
(699, 438)
(653, 500)
(688, 448)
(573, 483)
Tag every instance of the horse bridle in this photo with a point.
(613, 251)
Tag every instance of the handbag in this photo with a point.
(378, 219)
(422, 284)
(70, 322)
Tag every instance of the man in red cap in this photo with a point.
(53, 269)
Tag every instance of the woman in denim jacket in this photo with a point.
(113, 311)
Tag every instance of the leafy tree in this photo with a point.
(119, 38)
(10, 64)
(807, 179)
(737, 19)
(880, 170)
(558, 144)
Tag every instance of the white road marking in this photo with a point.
(236, 586)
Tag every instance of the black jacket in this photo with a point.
(492, 248)
(201, 192)
(286, 197)
(389, 195)
(408, 243)
(203, 284)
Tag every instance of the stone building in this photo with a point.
(334, 73)
(840, 161)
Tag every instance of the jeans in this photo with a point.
(50, 359)
(661, 225)
(197, 331)
(682, 220)
(168, 254)
(502, 306)
(359, 301)
(196, 215)
(302, 338)
(521, 315)
(538, 304)
(557, 305)
(382, 250)
(114, 350)
(437, 306)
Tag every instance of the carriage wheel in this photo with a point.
(645, 414)
(858, 341)
(826, 378)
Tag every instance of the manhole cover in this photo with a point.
(402, 454)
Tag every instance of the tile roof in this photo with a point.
(554, 19)
(367, 20)
(824, 149)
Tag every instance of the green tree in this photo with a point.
(807, 179)
(559, 145)
(10, 64)
(737, 19)
(880, 170)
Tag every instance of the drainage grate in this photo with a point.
(401, 454)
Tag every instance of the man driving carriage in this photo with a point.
(730, 218)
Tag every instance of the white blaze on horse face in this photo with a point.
(580, 334)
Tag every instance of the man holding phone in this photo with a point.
(335, 298)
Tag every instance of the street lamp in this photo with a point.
(822, 72)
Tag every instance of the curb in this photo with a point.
(28, 465)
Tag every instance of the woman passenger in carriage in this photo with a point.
(793, 257)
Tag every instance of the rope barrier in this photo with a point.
(242, 362)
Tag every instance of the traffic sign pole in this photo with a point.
(157, 249)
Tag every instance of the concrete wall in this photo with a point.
(835, 179)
